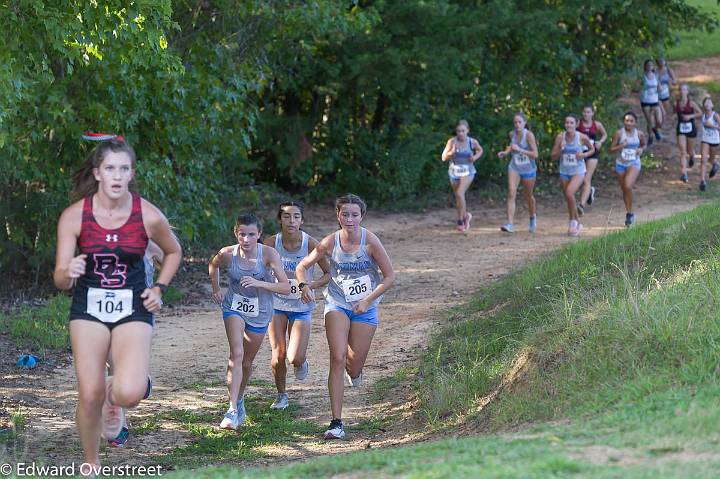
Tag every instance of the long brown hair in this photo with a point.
(350, 199)
(84, 182)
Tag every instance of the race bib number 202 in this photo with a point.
(249, 307)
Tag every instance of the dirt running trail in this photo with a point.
(436, 267)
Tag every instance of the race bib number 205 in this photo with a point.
(357, 289)
(109, 305)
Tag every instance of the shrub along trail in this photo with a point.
(437, 268)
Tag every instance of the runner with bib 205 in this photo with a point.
(352, 298)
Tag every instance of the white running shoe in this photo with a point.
(335, 430)
(354, 382)
(230, 420)
(301, 371)
(113, 417)
(281, 402)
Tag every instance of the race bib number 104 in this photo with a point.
(109, 305)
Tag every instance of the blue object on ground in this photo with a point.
(27, 361)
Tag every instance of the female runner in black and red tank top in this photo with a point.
(686, 110)
(112, 305)
(597, 134)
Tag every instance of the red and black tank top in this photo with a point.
(591, 131)
(684, 110)
(115, 257)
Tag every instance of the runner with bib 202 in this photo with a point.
(352, 298)
(112, 306)
(247, 305)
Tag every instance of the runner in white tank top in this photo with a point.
(710, 141)
(628, 144)
(523, 151)
(666, 77)
(357, 258)
(289, 331)
(462, 152)
(650, 101)
(571, 148)
(247, 305)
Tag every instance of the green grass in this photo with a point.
(40, 328)
(711, 87)
(263, 428)
(621, 337)
(695, 44)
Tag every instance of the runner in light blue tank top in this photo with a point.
(461, 152)
(709, 141)
(246, 305)
(361, 273)
(289, 331)
(523, 151)
(571, 148)
(628, 144)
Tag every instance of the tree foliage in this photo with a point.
(315, 96)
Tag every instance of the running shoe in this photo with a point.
(121, 438)
(533, 224)
(684, 178)
(301, 371)
(658, 136)
(591, 198)
(507, 228)
(335, 430)
(230, 420)
(703, 186)
(467, 220)
(691, 161)
(460, 225)
(580, 209)
(714, 169)
(574, 228)
(629, 219)
(281, 402)
(148, 389)
(354, 382)
(113, 417)
(650, 140)
(241, 410)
